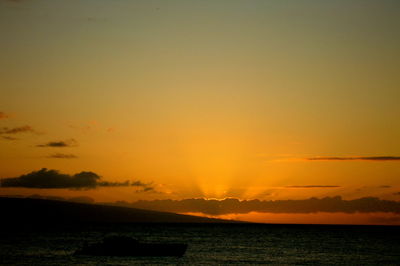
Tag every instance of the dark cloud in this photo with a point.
(312, 205)
(114, 184)
(144, 187)
(45, 178)
(52, 179)
(138, 184)
(356, 158)
(62, 156)
(3, 115)
(385, 186)
(313, 186)
(9, 138)
(397, 193)
(147, 189)
(7, 132)
(59, 144)
(17, 130)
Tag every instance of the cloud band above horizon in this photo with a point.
(235, 206)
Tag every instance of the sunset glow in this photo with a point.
(249, 100)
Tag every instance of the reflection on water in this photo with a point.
(211, 244)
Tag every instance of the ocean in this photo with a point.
(210, 244)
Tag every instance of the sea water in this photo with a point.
(210, 244)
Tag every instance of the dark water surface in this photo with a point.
(211, 244)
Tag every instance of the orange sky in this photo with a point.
(204, 99)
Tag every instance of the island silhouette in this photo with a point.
(44, 212)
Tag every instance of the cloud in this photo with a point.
(397, 193)
(3, 115)
(147, 189)
(313, 186)
(52, 179)
(90, 126)
(17, 130)
(7, 132)
(59, 144)
(356, 158)
(45, 178)
(62, 156)
(9, 138)
(231, 206)
(113, 184)
(143, 186)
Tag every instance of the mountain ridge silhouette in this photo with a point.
(29, 211)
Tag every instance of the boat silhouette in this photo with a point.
(127, 246)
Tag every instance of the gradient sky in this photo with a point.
(218, 98)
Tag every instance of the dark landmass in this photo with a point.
(32, 212)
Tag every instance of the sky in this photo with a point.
(252, 100)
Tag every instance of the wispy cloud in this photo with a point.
(3, 115)
(313, 186)
(85, 127)
(62, 156)
(142, 187)
(90, 126)
(47, 179)
(17, 130)
(9, 138)
(354, 158)
(59, 144)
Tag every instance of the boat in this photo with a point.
(127, 246)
